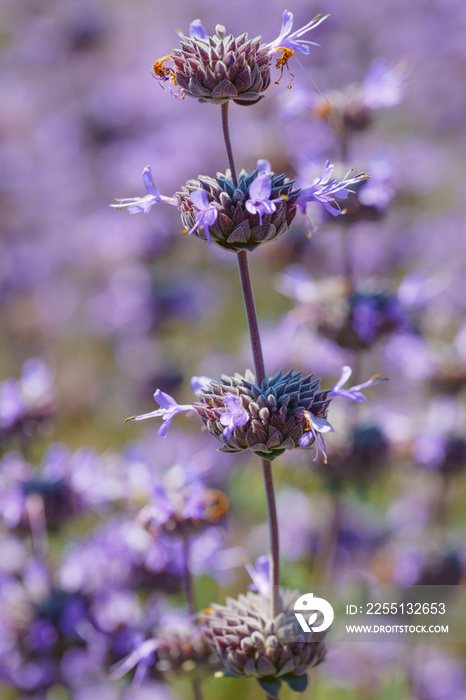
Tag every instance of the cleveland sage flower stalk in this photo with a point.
(256, 635)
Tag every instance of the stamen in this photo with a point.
(282, 62)
(310, 226)
(162, 71)
(308, 422)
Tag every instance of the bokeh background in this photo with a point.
(98, 309)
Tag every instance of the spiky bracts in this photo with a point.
(236, 228)
(221, 68)
(276, 411)
(252, 645)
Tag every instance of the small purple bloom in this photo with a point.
(207, 213)
(159, 511)
(234, 416)
(12, 404)
(260, 575)
(324, 190)
(354, 393)
(167, 411)
(384, 84)
(194, 507)
(32, 395)
(259, 193)
(366, 319)
(315, 426)
(197, 31)
(142, 657)
(37, 384)
(138, 205)
(264, 166)
(292, 40)
(379, 190)
(200, 383)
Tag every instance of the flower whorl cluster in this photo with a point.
(279, 412)
(219, 68)
(236, 227)
(177, 649)
(252, 645)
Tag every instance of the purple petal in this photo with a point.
(346, 373)
(264, 166)
(199, 199)
(164, 400)
(196, 30)
(148, 182)
(287, 23)
(260, 575)
(200, 383)
(260, 188)
(163, 430)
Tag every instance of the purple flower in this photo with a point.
(383, 85)
(234, 416)
(260, 575)
(292, 40)
(12, 404)
(354, 393)
(200, 383)
(167, 411)
(259, 192)
(37, 384)
(33, 395)
(324, 190)
(197, 31)
(159, 511)
(379, 190)
(142, 657)
(138, 205)
(264, 166)
(314, 429)
(182, 509)
(207, 213)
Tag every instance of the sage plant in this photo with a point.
(252, 412)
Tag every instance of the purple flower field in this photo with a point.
(233, 357)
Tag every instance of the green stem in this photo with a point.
(258, 357)
(226, 136)
(189, 591)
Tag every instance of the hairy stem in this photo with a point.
(266, 464)
(226, 136)
(251, 316)
(273, 534)
(189, 591)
